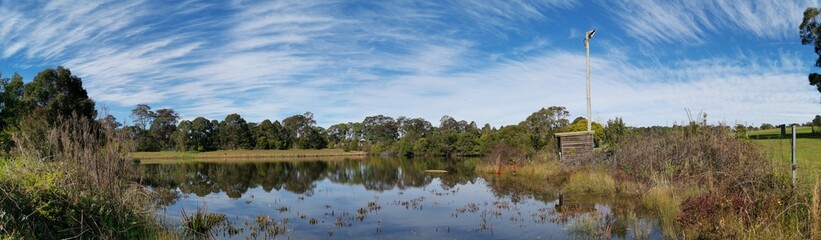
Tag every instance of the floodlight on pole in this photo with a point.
(587, 38)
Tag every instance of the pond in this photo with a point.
(384, 198)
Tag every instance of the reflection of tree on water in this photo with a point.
(300, 177)
(518, 188)
(586, 216)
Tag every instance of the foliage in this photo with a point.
(58, 93)
(816, 124)
(234, 133)
(542, 124)
(163, 127)
(11, 109)
(614, 131)
(741, 131)
(580, 124)
(811, 35)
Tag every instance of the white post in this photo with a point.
(793, 156)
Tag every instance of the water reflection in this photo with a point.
(388, 198)
(235, 179)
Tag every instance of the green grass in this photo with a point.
(808, 157)
(246, 154)
(800, 132)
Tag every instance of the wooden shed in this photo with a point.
(574, 146)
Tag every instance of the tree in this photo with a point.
(110, 121)
(234, 133)
(542, 124)
(338, 134)
(413, 128)
(299, 127)
(811, 35)
(182, 137)
(202, 134)
(264, 133)
(614, 131)
(59, 93)
(380, 129)
(11, 109)
(580, 124)
(816, 123)
(142, 116)
(163, 127)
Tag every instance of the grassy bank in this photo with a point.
(699, 182)
(242, 155)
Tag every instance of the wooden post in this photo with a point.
(793, 156)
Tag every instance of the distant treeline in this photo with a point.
(161, 130)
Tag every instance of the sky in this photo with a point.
(488, 61)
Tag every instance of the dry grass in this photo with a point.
(815, 211)
(665, 202)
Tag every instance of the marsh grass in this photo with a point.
(665, 202)
(591, 181)
(200, 223)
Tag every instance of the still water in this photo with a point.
(384, 198)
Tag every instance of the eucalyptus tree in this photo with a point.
(202, 134)
(234, 133)
(59, 94)
(163, 127)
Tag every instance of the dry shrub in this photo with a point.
(704, 155)
(98, 151)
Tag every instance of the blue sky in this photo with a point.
(488, 61)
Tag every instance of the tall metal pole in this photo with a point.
(587, 38)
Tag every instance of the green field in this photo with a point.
(245, 155)
(808, 152)
(800, 132)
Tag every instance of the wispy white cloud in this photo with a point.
(690, 21)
